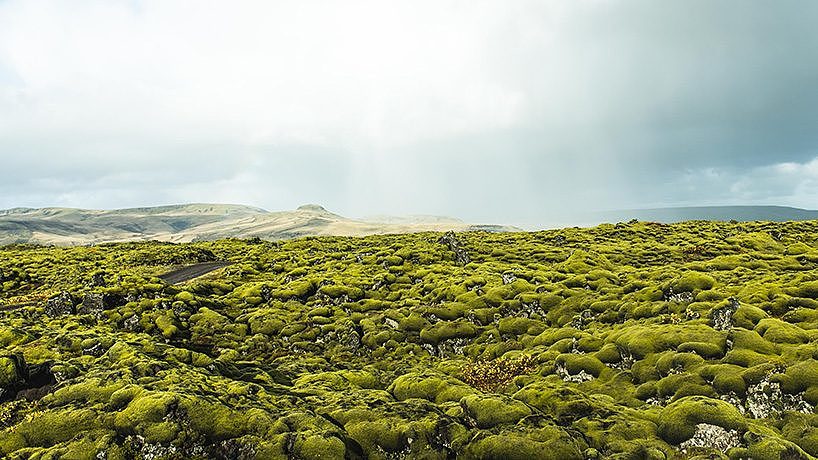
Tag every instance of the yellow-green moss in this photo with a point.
(679, 419)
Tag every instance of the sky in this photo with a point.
(491, 111)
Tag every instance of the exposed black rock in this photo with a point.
(454, 245)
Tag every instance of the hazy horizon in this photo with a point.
(497, 112)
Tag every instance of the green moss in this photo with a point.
(693, 281)
(745, 358)
(679, 419)
(414, 323)
(670, 385)
(428, 385)
(775, 449)
(48, 428)
(747, 316)
(519, 447)
(9, 374)
(751, 340)
(317, 447)
(608, 354)
(777, 331)
(301, 344)
(185, 297)
(491, 410)
(445, 330)
(519, 326)
(807, 289)
(574, 363)
(166, 326)
(706, 350)
(145, 415)
(217, 422)
(725, 378)
(86, 392)
(377, 436)
(800, 377)
(641, 341)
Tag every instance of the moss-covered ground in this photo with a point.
(630, 341)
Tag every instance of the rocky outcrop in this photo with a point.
(59, 305)
(454, 245)
(92, 304)
(711, 437)
(24, 381)
(723, 317)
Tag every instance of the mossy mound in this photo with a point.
(679, 419)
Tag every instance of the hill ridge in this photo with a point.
(199, 221)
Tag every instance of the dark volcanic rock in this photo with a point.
(24, 381)
(59, 305)
(111, 301)
(98, 280)
(12, 375)
(460, 254)
(92, 304)
(723, 317)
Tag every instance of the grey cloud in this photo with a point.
(511, 111)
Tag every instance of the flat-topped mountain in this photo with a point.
(202, 221)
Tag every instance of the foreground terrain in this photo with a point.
(636, 340)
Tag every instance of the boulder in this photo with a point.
(59, 305)
(454, 245)
(92, 304)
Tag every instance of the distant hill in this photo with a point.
(195, 222)
(715, 213)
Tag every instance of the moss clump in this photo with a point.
(575, 363)
(774, 449)
(693, 281)
(428, 385)
(800, 377)
(48, 428)
(145, 415)
(490, 410)
(448, 330)
(9, 372)
(777, 331)
(748, 316)
(807, 289)
(704, 349)
(678, 420)
(518, 446)
(315, 447)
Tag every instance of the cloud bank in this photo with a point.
(497, 111)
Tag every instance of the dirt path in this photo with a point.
(191, 271)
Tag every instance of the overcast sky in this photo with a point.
(501, 111)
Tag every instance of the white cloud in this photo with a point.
(358, 74)
(481, 109)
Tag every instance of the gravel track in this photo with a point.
(191, 271)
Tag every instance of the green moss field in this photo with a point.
(630, 341)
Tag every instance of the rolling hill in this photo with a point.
(197, 222)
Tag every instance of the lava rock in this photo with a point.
(712, 437)
(92, 304)
(98, 280)
(60, 305)
(460, 254)
(24, 381)
(723, 317)
(12, 375)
